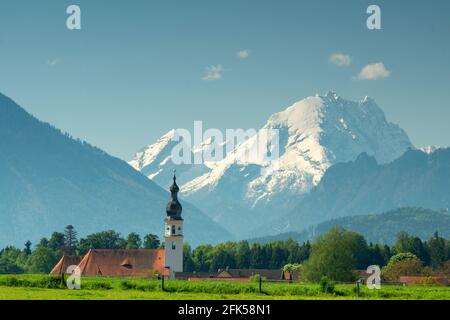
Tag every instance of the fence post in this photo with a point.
(162, 283)
(357, 287)
(260, 284)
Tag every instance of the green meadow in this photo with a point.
(43, 287)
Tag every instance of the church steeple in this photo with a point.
(173, 235)
(174, 208)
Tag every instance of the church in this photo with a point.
(136, 262)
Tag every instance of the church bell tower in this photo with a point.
(173, 234)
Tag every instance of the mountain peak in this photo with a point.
(314, 134)
(332, 95)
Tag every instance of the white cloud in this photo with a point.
(243, 54)
(340, 59)
(213, 72)
(53, 62)
(373, 71)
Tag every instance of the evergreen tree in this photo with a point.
(188, 262)
(437, 251)
(243, 255)
(27, 249)
(70, 240)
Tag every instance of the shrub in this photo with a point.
(49, 282)
(255, 278)
(405, 267)
(97, 286)
(326, 285)
(127, 285)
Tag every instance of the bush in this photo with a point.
(127, 285)
(326, 285)
(97, 286)
(405, 267)
(255, 278)
(49, 282)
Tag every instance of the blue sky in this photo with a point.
(137, 68)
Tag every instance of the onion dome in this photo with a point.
(173, 208)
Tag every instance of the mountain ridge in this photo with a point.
(315, 133)
(49, 180)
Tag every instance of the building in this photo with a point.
(136, 262)
(63, 264)
(173, 234)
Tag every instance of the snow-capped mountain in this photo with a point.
(314, 134)
(155, 161)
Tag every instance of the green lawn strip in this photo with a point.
(46, 287)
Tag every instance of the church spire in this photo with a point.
(174, 208)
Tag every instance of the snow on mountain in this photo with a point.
(429, 149)
(314, 134)
(155, 161)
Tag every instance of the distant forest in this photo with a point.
(349, 248)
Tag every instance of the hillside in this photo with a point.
(49, 180)
(379, 228)
(360, 187)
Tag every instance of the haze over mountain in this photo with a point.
(360, 187)
(315, 133)
(378, 228)
(49, 180)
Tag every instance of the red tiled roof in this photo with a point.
(64, 263)
(122, 262)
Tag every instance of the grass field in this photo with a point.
(39, 287)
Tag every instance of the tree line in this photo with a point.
(335, 254)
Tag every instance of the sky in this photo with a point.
(136, 68)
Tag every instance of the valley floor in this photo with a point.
(42, 287)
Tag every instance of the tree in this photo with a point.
(56, 243)
(403, 266)
(406, 243)
(222, 256)
(358, 246)
(202, 257)
(437, 250)
(243, 255)
(401, 256)
(27, 249)
(102, 240)
(133, 241)
(70, 240)
(331, 256)
(151, 241)
(10, 261)
(257, 259)
(188, 262)
(43, 259)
